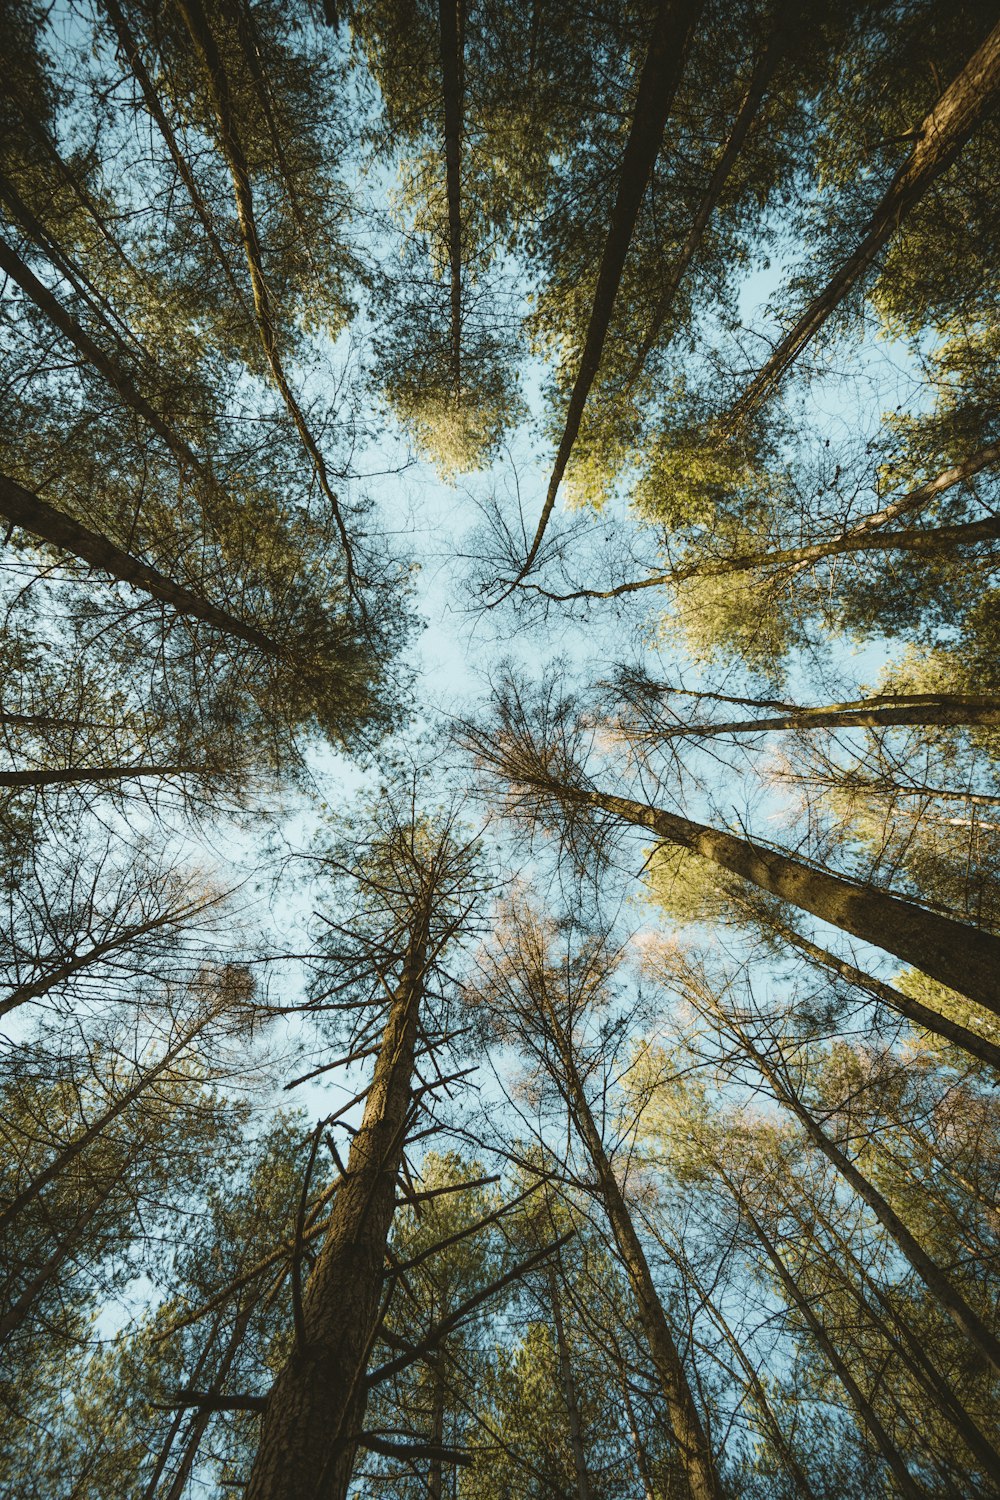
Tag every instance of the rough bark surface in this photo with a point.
(962, 957)
(315, 1411)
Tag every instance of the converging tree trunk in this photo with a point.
(963, 106)
(658, 83)
(693, 1448)
(450, 20)
(862, 1405)
(962, 957)
(760, 78)
(937, 1282)
(315, 1410)
(46, 523)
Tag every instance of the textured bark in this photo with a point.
(936, 1281)
(569, 1387)
(435, 1468)
(921, 1015)
(862, 1405)
(967, 101)
(693, 1449)
(759, 81)
(27, 511)
(450, 20)
(658, 83)
(962, 957)
(315, 1411)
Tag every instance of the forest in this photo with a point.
(499, 749)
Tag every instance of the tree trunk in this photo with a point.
(921, 1015)
(435, 1469)
(130, 50)
(69, 1154)
(760, 78)
(202, 1417)
(960, 956)
(884, 711)
(638, 1446)
(932, 541)
(658, 83)
(936, 1281)
(862, 1405)
(851, 540)
(27, 511)
(450, 19)
(149, 1493)
(693, 1450)
(15, 1315)
(906, 1345)
(316, 1407)
(117, 378)
(193, 15)
(966, 102)
(75, 775)
(569, 1387)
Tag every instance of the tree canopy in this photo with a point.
(499, 749)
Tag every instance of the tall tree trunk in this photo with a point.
(69, 1154)
(693, 1449)
(902, 1340)
(193, 15)
(862, 1405)
(27, 511)
(854, 539)
(201, 1418)
(931, 541)
(921, 1015)
(450, 20)
(316, 1406)
(803, 1488)
(760, 78)
(77, 775)
(638, 1446)
(960, 956)
(149, 1493)
(569, 1386)
(21, 1307)
(130, 50)
(883, 711)
(435, 1469)
(933, 1277)
(658, 83)
(119, 380)
(967, 101)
